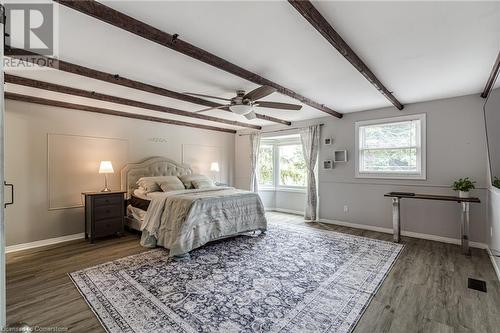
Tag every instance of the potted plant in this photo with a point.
(463, 186)
(496, 182)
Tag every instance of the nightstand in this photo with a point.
(104, 214)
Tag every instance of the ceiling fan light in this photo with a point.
(251, 115)
(241, 109)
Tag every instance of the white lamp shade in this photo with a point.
(214, 167)
(106, 167)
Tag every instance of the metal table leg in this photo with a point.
(465, 228)
(396, 220)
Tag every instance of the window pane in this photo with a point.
(392, 135)
(292, 166)
(265, 165)
(389, 160)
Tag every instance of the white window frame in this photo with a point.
(276, 143)
(421, 150)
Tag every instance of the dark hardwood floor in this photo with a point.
(426, 290)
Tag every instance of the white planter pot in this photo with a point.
(464, 194)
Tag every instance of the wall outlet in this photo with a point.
(346, 209)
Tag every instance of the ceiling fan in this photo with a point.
(244, 104)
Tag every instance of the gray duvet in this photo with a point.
(187, 219)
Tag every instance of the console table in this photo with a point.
(464, 202)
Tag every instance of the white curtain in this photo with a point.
(254, 158)
(309, 136)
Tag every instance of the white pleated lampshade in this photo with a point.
(214, 167)
(106, 167)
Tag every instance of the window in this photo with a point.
(391, 148)
(281, 163)
(292, 165)
(265, 165)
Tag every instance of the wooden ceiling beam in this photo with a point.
(80, 107)
(139, 28)
(314, 17)
(492, 78)
(117, 79)
(112, 99)
(87, 72)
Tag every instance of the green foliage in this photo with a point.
(496, 182)
(292, 166)
(464, 184)
(389, 147)
(265, 165)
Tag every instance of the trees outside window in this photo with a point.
(292, 166)
(391, 148)
(281, 163)
(265, 165)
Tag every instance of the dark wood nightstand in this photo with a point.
(104, 214)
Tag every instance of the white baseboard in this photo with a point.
(43, 242)
(283, 210)
(404, 233)
(494, 263)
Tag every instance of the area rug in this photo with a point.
(292, 279)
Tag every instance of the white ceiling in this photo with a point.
(419, 50)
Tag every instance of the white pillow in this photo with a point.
(150, 184)
(202, 183)
(188, 180)
(171, 184)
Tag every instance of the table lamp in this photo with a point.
(105, 168)
(214, 167)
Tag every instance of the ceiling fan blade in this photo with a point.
(250, 115)
(277, 105)
(259, 93)
(212, 108)
(207, 96)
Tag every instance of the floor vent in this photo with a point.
(479, 285)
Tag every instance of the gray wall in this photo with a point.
(27, 126)
(456, 147)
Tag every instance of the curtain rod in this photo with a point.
(280, 130)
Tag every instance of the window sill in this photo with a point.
(392, 176)
(283, 189)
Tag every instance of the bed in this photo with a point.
(184, 220)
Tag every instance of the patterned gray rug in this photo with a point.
(293, 279)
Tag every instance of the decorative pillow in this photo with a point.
(202, 183)
(171, 184)
(188, 180)
(150, 184)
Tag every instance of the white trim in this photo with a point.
(43, 242)
(494, 263)
(283, 189)
(49, 135)
(283, 210)
(404, 233)
(421, 150)
(292, 189)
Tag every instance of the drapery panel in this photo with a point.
(309, 136)
(254, 158)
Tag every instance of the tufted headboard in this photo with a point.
(151, 167)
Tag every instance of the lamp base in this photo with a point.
(105, 189)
